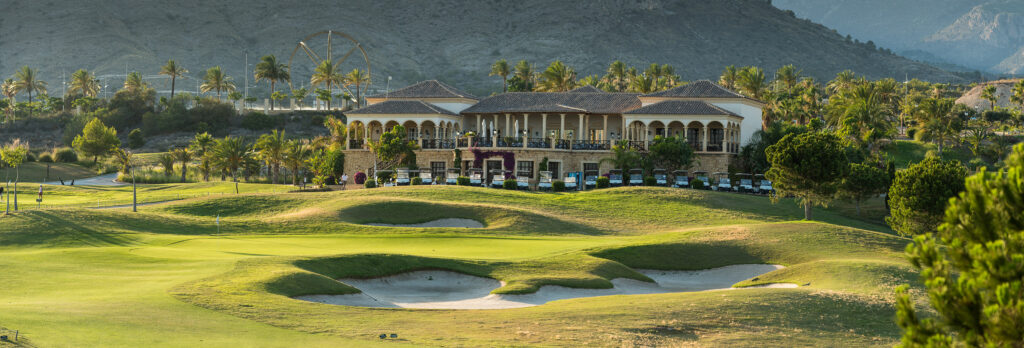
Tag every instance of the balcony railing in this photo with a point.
(355, 143)
(714, 148)
(539, 143)
(563, 144)
(590, 145)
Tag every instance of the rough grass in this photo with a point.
(36, 172)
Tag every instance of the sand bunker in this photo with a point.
(451, 290)
(450, 222)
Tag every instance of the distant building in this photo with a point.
(574, 130)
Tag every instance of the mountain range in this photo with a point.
(450, 40)
(985, 35)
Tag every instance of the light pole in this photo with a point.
(387, 90)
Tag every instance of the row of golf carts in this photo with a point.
(745, 183)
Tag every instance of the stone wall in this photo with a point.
(569, 161)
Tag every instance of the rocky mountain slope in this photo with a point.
(987, 35)
(972, 97)
(450, 40)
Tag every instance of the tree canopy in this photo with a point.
(97, 140)
(808, 166)
(919, 194)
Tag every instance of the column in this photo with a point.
(647, 128)
(478, 124)
(604, 131)
(686, 137)
(348, 135)
(526, 130)
(580, 135)
(725, 139)
(704, 139)
(544, 126)
(561, 127)
(508, 127)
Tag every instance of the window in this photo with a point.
(556, 170)
(437, 169)
(524, 168)
(590, 167)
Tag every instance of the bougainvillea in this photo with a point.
(360, 178)
(508, 156)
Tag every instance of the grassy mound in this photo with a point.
(236, 205)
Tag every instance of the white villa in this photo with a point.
(574, 130)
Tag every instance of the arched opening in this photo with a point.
(655, 129)
(374, 130)
(695, 135)
(716, 137)
(675, 129)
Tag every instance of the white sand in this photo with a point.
(451, 290)
(450, 222)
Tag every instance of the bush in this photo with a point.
(509, 184)
(29, 157)
(45, 158)
(258, 121)
(370, 184)
(135, 139)
(977, 163)
(66, 155)
(417, 181)
(603, 182)
(558, 186)
(360, 178)
(650, 181)
(697, 184)
(462, 181)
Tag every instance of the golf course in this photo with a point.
(210, 267)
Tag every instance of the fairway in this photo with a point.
(222, 269)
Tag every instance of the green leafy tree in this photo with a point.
(808, 166)
(271, 70)
(166, 160)
(919, 194)
(324, 96)
(84, 82)
(201, 146)
(230, 154)
(277, 96)
(96, 140)
(295, 155)
(623, 157)
(671, 153)
(393, 148)
(216, 80)
(863, 182)
(501, 69)
(133, 82)
(135, 139)
(972, 266)
(174, 71)
(14, 154)
(270, 148)
(184, 156)
(300, 95)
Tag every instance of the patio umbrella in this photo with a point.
(517, 129)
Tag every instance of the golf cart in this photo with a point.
(723, 183)
(545, 181)
(682, 180)
(636, 177)
(702, 176)
(590, 179)
(402, 176)
(498, 177)
(764, 185)
(476, 177)
(615, 178)
(427, 178)
(523, 181)
(452, 178)
(660, 178)
(746, 183)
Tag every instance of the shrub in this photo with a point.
(697, 184)
(45, 158)
(29, 157)
(462, 181)
(360, 178)
(258, 121)
(650, 181)
(66, 155)
(370, 184)
(603, 182)
(509, 184)
(417, 181)
(976, 163)
(558, 186)
(135, 139)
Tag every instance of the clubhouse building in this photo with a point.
(574, 130)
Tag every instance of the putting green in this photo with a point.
(170, 276)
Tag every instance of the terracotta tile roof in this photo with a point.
(596, 103)
(681, 107)
(698, 89)
(427, 89)
(409, 107)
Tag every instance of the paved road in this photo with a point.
(102, 180)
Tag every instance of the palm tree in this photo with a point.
(338, 130)
(843, 81)
(617, 75)
(184, 156)
(558, 77)
(501, 68)
(326, 74)
(270, 148)
(936, 120)
(294, 156)
(27, 81)
(787, 76)
(133, 83)
(271, 70)
(729, 77)
(216, 80)
(230, 154)
(84, 82)
(989, 93)
(751, 81)
(1017, 94)
(357, 78)
(173, 70)
(865, 118)
(623, 157)
(201, 146)
(642, 84)
(9, 90)
(525, 72)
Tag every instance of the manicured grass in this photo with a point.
(36, 172)
(907, 152)
(169, 276)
